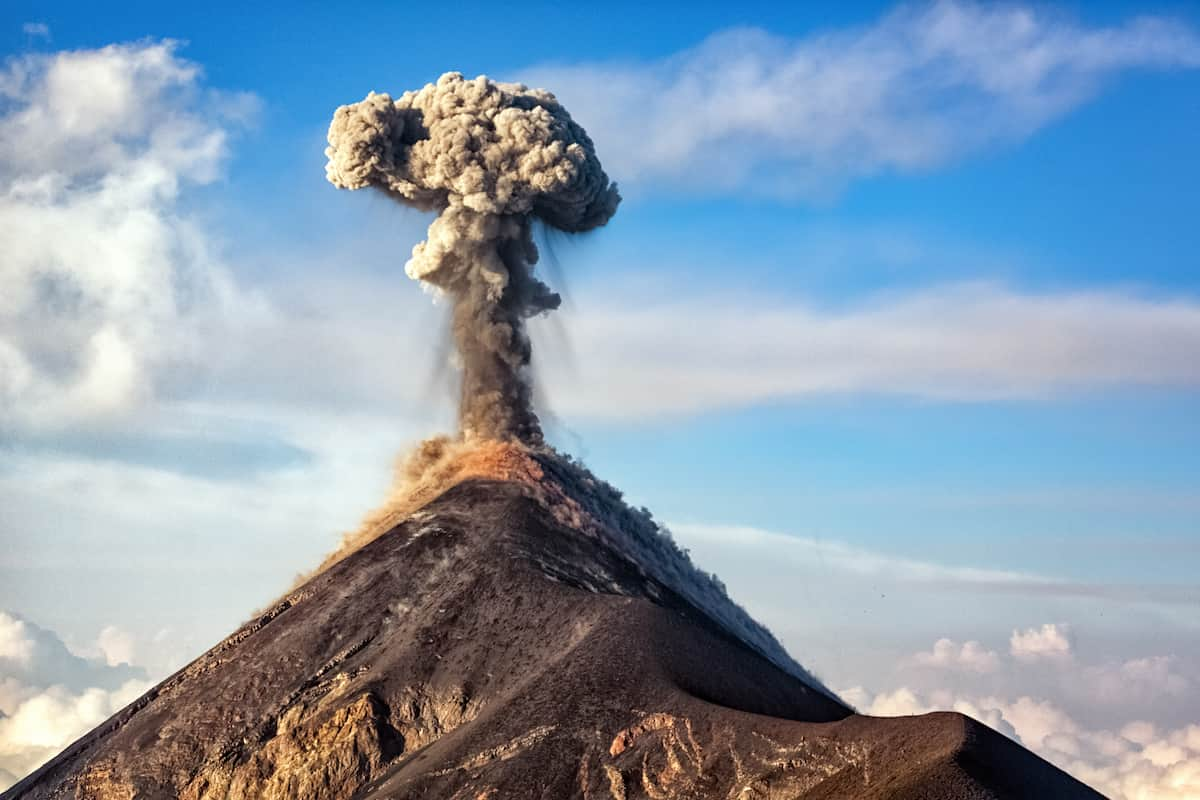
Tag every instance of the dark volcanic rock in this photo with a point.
(484, 650)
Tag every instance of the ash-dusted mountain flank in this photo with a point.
(523, 635)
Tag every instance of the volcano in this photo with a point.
(522, 634)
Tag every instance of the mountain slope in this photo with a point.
(489, 647)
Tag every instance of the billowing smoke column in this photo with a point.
(488, 157)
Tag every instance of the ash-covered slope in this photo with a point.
(506, 642)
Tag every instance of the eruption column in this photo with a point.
(488, 157)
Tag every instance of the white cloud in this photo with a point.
(47, 722)
(16, 645)
(102, 278)
(1127, 757)
(1043, 661)
(1140, 732)
(1047, 642)
(1138, 762)
(1131, 683)
(116, 645)
(49, 696)
(902, 702)
(971, 656)
(923, 85)
(956, 342)
(31, 656)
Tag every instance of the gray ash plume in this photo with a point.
(489, 158)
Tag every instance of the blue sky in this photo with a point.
(898, 327)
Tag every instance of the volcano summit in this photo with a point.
(522, 635)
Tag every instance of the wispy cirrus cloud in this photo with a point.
(789, 552)
(957, 342)
(924, 85)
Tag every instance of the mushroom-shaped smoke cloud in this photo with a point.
(489, 157)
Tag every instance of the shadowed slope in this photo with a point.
(483, 649)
